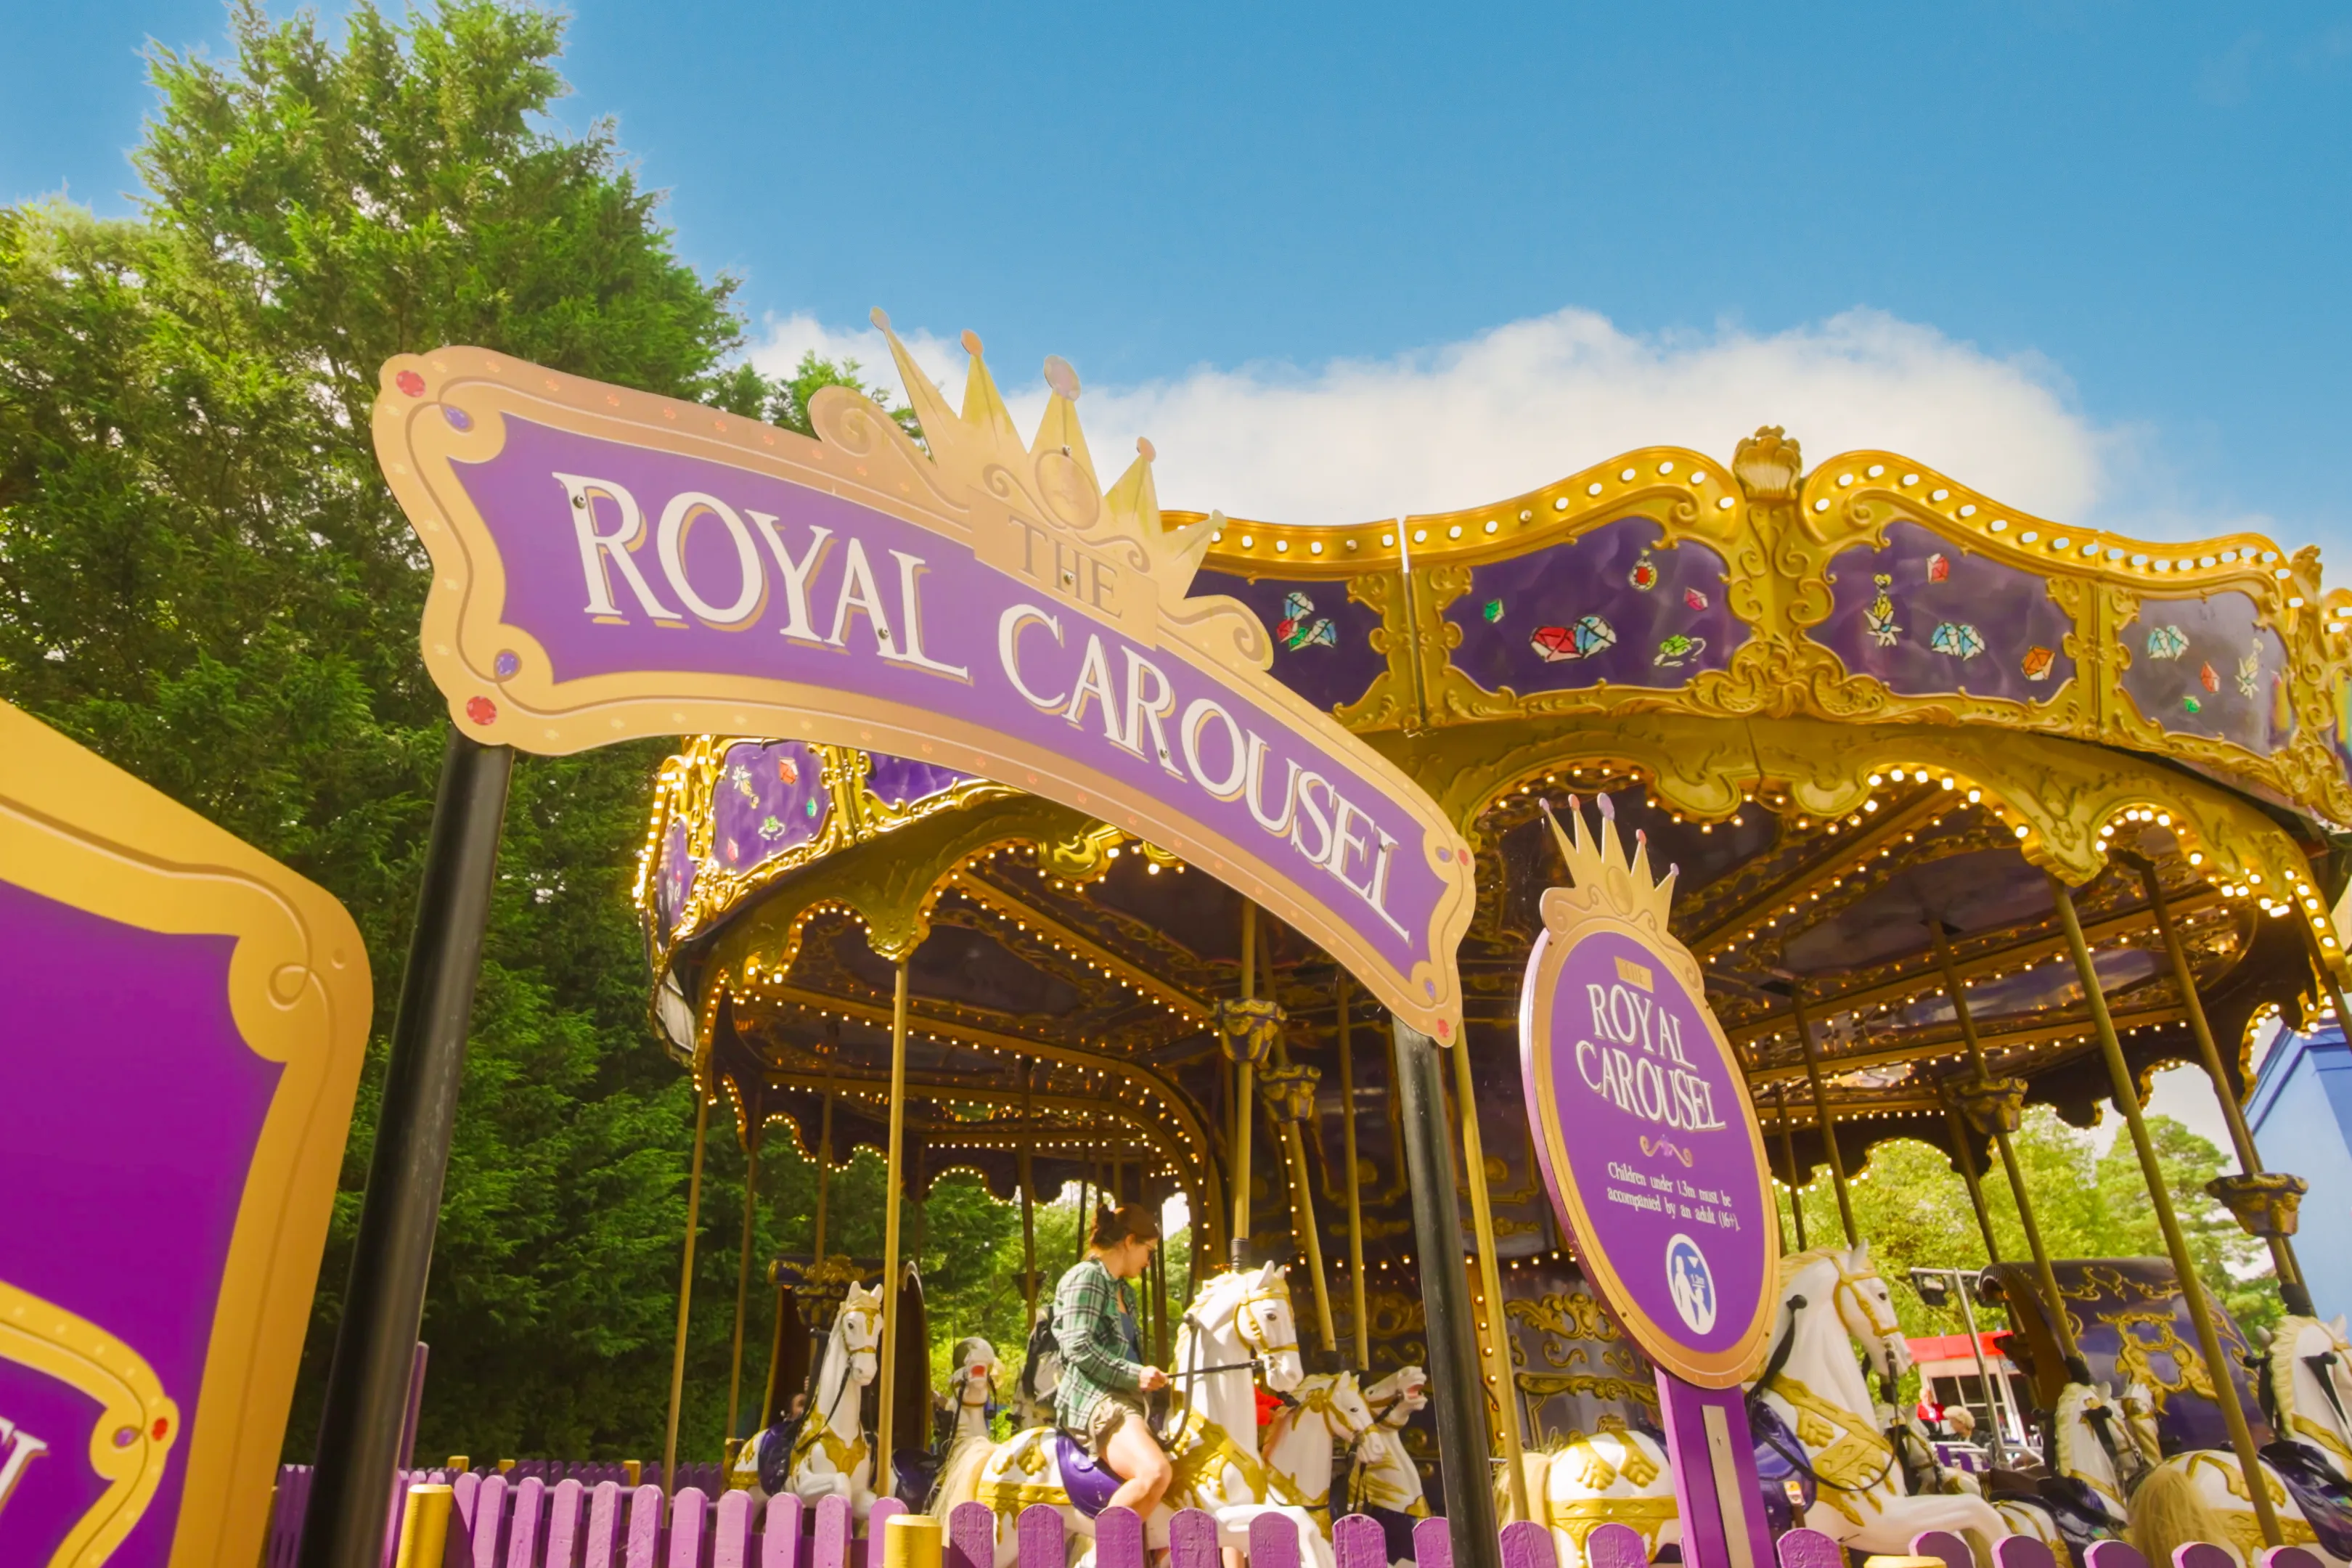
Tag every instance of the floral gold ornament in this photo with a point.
(1288, 1093)
(2265, 1204)
(1248, 1028)
(1992, 1105)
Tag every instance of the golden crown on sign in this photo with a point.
(1599, 869)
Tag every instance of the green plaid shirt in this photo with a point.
(1094, 1323)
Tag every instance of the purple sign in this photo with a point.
(1662, 1186)
(609, 564)
(182, 1023)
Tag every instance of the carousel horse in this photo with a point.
(1238, 1321)
(1617, 1476)
(972, 1393)
(1327, 1410)
(1831, 1298)
(1041, 1372)
(2096, 1462)
(2201, 1495)
(832, 1458)
(1385, 1483)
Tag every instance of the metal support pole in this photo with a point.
(2192, 1288)
(1788, 1153)
(1967, 1156)
(2292, 1289)
(384, 1302)
(1822, 1114)
(775, 1365)
(684, 1294)
(1362, 1319)
(743, 1284)
(1495, 1341)
(886, 1466)
(1984, 1376)
(1459, 1408)
(1028, 1226)
(2060, 1325)
(1294, 1144)
(1244, 1075)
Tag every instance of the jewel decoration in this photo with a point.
(734, 850)
(481, 710)
(1693, 598)
(506, 665)
(1880, 616)
(2166, 642)
(1678, 649)
(2208, 680)
(811, 807)
(1956, 639)
(770, 828)
(1494, 611)
(1939, 568)
(1590, 634)
(2190, 705)
(788, 770)
(740, 777)
(1645, 574)
(2250, 673)
(2036, 663)
(1296, 631)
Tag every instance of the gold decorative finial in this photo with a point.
(1769, 464)
(1601, 873)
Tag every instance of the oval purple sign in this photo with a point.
(1664, 1186)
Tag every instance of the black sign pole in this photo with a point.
(383, 1305)
(1460, 1406)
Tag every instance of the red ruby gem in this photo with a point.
(481, 710)
(161, 1425)
(409, 382)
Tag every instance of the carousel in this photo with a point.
(1971, 810)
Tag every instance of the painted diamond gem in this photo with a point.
(409, 382)
(481, 710)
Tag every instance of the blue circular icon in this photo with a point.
(1691, 1283)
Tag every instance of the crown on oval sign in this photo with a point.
(1600, 866)
(1054, 472)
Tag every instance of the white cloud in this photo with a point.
(1522, 404)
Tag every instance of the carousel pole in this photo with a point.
(685, 1293)
(1968, 1159)
(2292, 1289)
(1459, 1408)
(823, 1167)
(1496, 1339)
(2060, 1324)
(383, 1302)
(1822, 1113)
(1789, 1153)
(1355, 1186)
(1242, 1075)
(743, 1285)
(886, 1468)
(1294, 1144)
(2192, 1288)
(1028, 1174)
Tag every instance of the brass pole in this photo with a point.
(1822, 1114)
(775, 1362)
(1495, 1341)
(886, 1481)
(824, 1166)
(2060, 1323)
(743, 1285)
(2283, 1260)
(1355, 1185)
(685, 1293)
(1294, 1144)
(2192, 1288)
(1244, 1077)
(1968, 1159)
(1788, 1153)
(1028, 1210)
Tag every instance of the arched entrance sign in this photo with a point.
(610, 564)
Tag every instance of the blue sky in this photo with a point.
(1345, 261)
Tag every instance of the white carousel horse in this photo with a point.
(1237, 1320)
(1830, 1298)
(1385, 1482)
(831, 1456)
(2098, 1447)
(1330, 1410)
(2201, 1495)
(1610, 1478)
(971, 1389)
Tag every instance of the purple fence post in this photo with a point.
(489, 1520)
(1433, 1544)
(780, 1544)
(2289, 1557)
(604, 1525)
(730, 1546)
(522, 1537)
(563, 1524)
(1526, 1544)
(2113, 1555)
(884, 1510)
(465, 1491)
(2024, 1552)
(1119, 1539)
(685, 1526)
(1273, 1542)
(1614, 1545)
(1038, 1535)
(1192, 1541)
(1943, 1543)
(1357, 1542)
(972, 1536)
(643, 1539)
(1804, 1548)
(2201, 1554)
(833, 1533)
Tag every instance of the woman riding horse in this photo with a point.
(1104, 1378)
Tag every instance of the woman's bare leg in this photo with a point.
(1135, 1457)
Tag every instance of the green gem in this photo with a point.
(1494, 610)
(2190, 705)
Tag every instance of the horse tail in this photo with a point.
(960, 1475)
(2168, 1511)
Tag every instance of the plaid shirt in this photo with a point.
(1094, 1323)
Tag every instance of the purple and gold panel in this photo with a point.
(770, 797)
(901, 782)
(2207, 666)
(1928, 617)
(673, 877)
(1322, 638)
(1615, 606)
